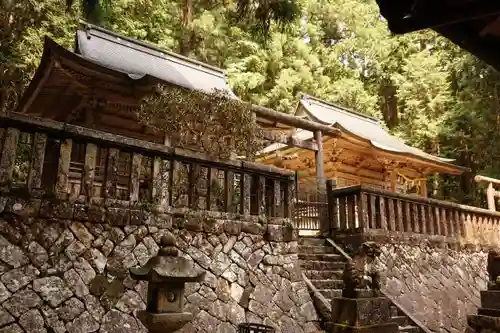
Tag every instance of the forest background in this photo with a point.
(423, 88)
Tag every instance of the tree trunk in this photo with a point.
(185, 43)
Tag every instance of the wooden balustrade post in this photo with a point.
(373, 211)
(290, 197)
(391, 214)
(463, 224)
(423, 218)
(191, 186)
(362, 208)
(400, 217)
(63, 169)
(451, 222)
(276, 209)
(212, 181)
(246, 194)
(8, 156)
(161, 182)
(261, 196)
(430, 220)
(37, 159)
(444, 222)
(490, 196)
(111, 179)
(333, 206)
(407, 217)
(135, 176)
(382, 214)
(228, 190)
(87, 189)
(415, 219)
(343, 213)
(437, 221)
(351, 212)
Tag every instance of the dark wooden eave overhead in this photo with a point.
(473, 25)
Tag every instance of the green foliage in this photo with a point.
(426, 90)
(214, 123)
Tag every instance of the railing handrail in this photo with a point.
(412, 198)
(484, 179)
(23, 121)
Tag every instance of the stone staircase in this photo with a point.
(323, 266)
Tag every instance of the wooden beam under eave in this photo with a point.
(283, 118)
(290, 141)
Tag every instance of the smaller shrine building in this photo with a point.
(363, 153)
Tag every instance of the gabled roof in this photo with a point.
(111, 66)
(138, 59)
(355, 124)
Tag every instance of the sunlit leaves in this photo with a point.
(215, 123)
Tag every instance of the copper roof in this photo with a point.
(137, 59)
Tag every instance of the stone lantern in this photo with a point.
(167, 274)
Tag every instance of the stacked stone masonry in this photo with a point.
(64, 268)
(439, 286)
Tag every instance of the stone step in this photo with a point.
(324, 274)
(409, 329)
(328, 284)
(311, 249)
(317, 265)
(401, 320)
(312, 241)
(321, 257)
(331, 293)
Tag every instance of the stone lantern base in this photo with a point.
(364, 314)
(164, 322)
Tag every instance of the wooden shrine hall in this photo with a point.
(102, 81)
(363, 153)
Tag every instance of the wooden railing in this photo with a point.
(45, 157)
(360, 209)
(310, 210)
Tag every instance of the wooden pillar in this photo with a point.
(490, 196)
(320, 166)
(394, 180)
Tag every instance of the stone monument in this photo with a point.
(362, 308)
(487, 319)
(167, 274)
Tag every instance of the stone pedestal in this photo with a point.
(487, 319)
(364, 314)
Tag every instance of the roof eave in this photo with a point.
(453, 169)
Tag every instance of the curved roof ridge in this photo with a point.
(137, 58)
(337, 107)
(88, 27)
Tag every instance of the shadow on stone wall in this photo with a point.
(440, 287)
(68, 276)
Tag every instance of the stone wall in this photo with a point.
(439, 286)
(64, 268)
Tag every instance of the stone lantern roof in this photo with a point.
(167, 266)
